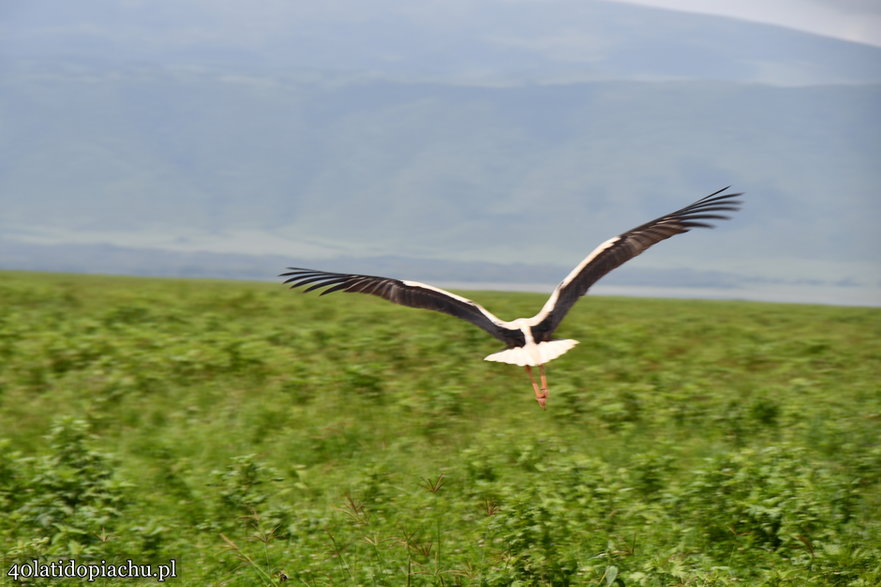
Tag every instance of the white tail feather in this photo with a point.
(533, 354)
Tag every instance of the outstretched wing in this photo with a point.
(405, 293)
(616, 251)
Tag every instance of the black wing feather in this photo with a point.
(627, 246)
(412, 294)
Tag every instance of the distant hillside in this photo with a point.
(429, 168)
(483, 132)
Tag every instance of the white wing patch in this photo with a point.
(483, 310)
(552, 301)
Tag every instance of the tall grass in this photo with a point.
(260, 436)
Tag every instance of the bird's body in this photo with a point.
(528, 340)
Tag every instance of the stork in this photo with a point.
(528, 340)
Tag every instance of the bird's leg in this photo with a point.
(544, 380)
(540, 396)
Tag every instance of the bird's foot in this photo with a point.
(542, 397)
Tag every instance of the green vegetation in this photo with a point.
(246, 432)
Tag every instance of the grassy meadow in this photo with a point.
(254, 434)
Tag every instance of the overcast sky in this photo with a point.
(854, 20)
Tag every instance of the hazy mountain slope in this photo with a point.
(490, 131)
(428, 166)
(463, 40)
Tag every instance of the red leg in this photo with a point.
(544, 380)
(540, 396)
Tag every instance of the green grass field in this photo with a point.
(248, 432)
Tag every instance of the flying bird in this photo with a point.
(528, 341)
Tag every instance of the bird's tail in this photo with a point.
(533, 354)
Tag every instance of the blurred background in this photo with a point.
(471, 143)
